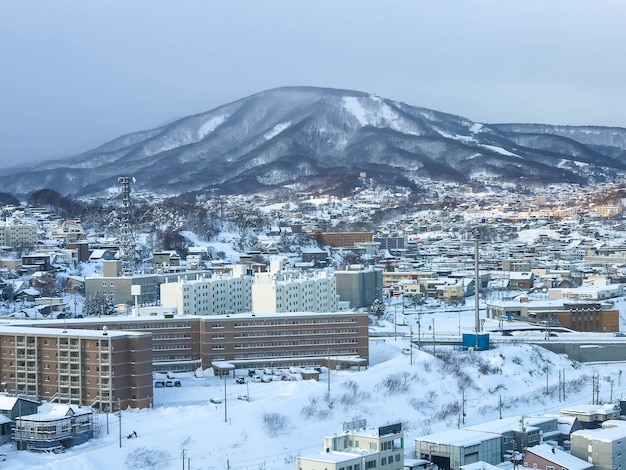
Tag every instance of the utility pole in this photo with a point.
(183, 455)
(328, 370)
(547, 377)
(411, 343)
(463, 406)
(225, 405)
(395, 323)
(500, 406)
(419, 329)
(119, 415)
(433, 335)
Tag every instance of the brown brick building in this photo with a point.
(184, 343)
(104, 369)
(109, 361)
(342, 238)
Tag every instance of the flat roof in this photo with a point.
(458, 437)
(340, 456)
(12, 329)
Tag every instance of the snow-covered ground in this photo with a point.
(283, 419)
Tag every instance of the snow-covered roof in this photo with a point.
(602, 434)
(563, 459)
(458, 437)
(587, 409)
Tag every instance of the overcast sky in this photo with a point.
(75, 74)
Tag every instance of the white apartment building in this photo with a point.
(361, 449)
(16, 232)
(294, 291)
(215, 295)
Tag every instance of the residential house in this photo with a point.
(548, 457)
(63, 426)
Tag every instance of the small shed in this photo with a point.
(14, 406)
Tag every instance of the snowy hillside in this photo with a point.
(283, 419)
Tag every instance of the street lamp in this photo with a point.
(225, 405)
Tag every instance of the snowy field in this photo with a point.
(283, 419)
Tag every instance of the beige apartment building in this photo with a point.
(100, 368)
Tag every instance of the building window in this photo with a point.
(549, 467)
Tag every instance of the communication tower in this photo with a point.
(128, 255)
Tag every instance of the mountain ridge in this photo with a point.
(303, 138)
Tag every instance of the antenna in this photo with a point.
(128, 254)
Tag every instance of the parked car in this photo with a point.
(177, 383)
(240, 380)
(620, 334)
(242, 397)
(256, 378)
(159, 384)
(266, 379)
(169, 383)
(216, 401)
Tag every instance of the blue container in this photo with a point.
(479, 342)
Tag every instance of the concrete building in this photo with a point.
(363, 449)
(214, 295)
(360, 286)
(576, 315)
(18, 233)
(603, 448)
(592, 416)
(519, 432)
(83, 367)
(454, 448)
(119, 287)
(280, 291)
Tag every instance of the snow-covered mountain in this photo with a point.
(303, 138)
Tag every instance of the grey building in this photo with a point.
(360, 286)
(452, 449)
(605, 448)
